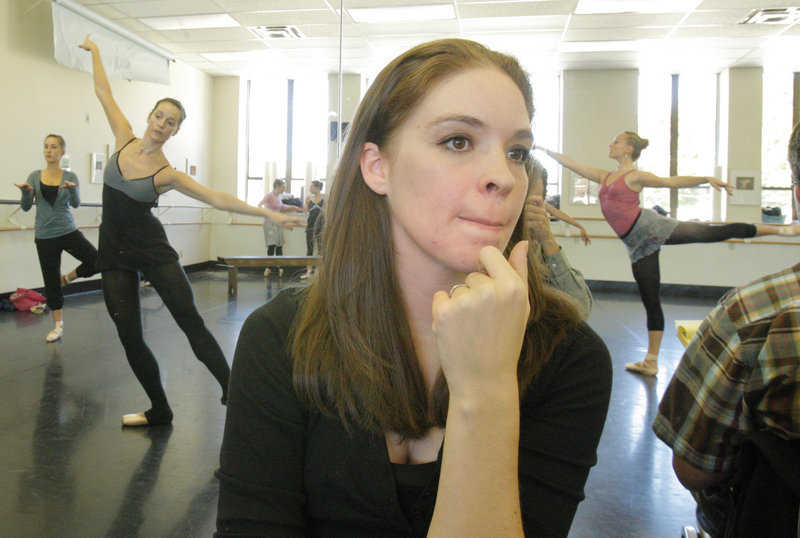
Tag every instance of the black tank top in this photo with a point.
(131, 237)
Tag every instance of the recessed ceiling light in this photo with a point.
(783, 15)
(276, 32)
(597, 7)
(374, 15)
(191, 22)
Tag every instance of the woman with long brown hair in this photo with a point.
(428, 380)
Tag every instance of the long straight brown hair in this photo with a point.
(354, 357)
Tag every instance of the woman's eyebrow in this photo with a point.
(458, 118)
(477, 123)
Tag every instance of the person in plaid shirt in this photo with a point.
(740, 374)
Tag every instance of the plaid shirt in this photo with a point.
(740, 373)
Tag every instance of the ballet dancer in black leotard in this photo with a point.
(644, 231)
(132, 239)
(316, 219)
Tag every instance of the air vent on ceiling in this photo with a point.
(276, 32)
(778, 15)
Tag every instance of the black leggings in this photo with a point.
(50, 250)
(314, 236)
(121, 294)
(275, 250)
(647, 273)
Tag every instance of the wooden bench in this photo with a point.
(232, 263)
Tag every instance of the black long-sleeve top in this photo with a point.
(288, 471)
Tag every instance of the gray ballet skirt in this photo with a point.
(273, 234)
(649, 232)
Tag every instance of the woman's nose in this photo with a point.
(499, 177)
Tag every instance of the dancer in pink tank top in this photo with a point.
(644, 231)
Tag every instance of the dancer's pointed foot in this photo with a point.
(266, 271)
(137, 419)
(791, 229)
(148, 418)
(56, 333)
(64, 280)
(280, 272)
(645, 367)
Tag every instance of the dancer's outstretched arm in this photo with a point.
(120, 126)
(592, 174)
(183, 183)
(641, 178)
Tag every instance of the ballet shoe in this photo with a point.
(645, 367)
(280, 272)
(266, 271)
(305, 276)
(56, 333)
(148, 418)
(134, 420)
(64, 280)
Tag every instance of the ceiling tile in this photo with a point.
(224, 46)
(162, 8)
(327, 30)
(715, 17)
(514, 9)
(625, 20)
(279, 18)
(504, 24)
(208, 34)
(431, 28)
(613, 34)
(232, 6)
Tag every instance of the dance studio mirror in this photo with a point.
(714, 99)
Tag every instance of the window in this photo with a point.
(266, 135)
(697, 142)
(655, 103)
(546, 123)
(267, 122)
(697, 138)
(310, 132)
(776, 178)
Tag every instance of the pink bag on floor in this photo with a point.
(24, 299)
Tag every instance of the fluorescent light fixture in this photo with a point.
(598, 7)
(191, 22)
(240, 56)
(375, 15)
(609, 46)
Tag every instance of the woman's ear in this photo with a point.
(374, 168)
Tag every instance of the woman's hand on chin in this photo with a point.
(479, 329)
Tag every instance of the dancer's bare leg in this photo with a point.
(649, 366)
(767, 229)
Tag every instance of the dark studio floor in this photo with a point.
(67, 468)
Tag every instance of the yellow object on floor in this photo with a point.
(686, 329)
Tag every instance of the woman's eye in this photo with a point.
(457, 143)
(518, 154)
